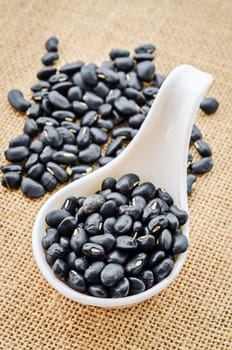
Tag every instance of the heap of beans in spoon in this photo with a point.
(82, 116)
(117, 242)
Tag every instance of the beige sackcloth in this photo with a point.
(195, 311)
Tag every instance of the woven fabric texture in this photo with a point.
(195, 312)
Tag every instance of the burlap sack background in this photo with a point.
(195, 311)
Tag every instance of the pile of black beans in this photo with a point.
(82, 116)
(117, 242)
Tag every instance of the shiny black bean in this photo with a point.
(52, 44)
(57, 171)
(114, 53)
(124, 132)
(17, 153)
(180, 244)
(146, 242)
(119, 198)
(54, 217)
(151, 92)
(113, 146)
(108, 182)
(70, 149)
(35, 171)
(66, 158)
(145, 48)
(98, 136)
(135, 266)
(74, 93)
(83, 137)
(117, 256)
(64, 116)
(145, 189)
(124, 63)
(11, 180)
(47, 106)
(92, 273)
(55, 251)
(120, 289)
(127, 183)
(112, 96)
(209, 105)
(164, 195)
(181, 214)
(143, 56)
(101, 89)
(77, 80)
(136, 95)
(196, 134)
(89, 118)
(39, 96)
(203, 148)
(71, 126)
(79, 264)
(78, 239)
(133, 81)
(31, 188)
(50, 236)
(49, 58)
(48, 181)
(90, 154)
(70, 259)
(94, 224)
(45, 73)
(30, 128)
(156, 257)
(66, 136)
(104, 160)
(92, 100)
(157, 223)
(71, 68)
(145, 70)
(163, 269)
(148, 278)
(93, 203)
(40, 86)
(70, 204)
(126, 243)
(107, 75)
(173, 222)
(106, 240)
(58, 100)
(79, 169)
(57, 78)
(126, 107)
(11, 168)
(104, 124)
(202, 166)
(138, 228)
(139, 201)
(108, 209)
(165, 240)
(17, 100)
(60, 268)
(98, 290)
(46, 154)
(136, 285)
(111, 274)
(20, 140)
(51, 137)
(43, 121)
(88, 73)
(93, 251)
(34, 111)
(76, 281)
(67, 226)
(191, 179)
(62, 87)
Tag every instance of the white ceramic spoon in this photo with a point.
(158, 153)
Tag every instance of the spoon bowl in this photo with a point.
(158, 153)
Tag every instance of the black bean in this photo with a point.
(181, 214)
(150, 48)
(189, 161)
(82, 168)
(35, 171)
(209, 105)
(122, 81)
(143, 56)
(124, 132)
(70, 204)
(47, 106)
(94, 224)
(119, 198)
(92, 273)
(70, 259)
(30, 127)
(39, 96)
(127, 183)
(20, 140)
(104, 160)
(16, 154)
(105, 124)
(77, 80)
(65, 243)
(112, 96)
(58, 100)
(165, 240)
(145, 70)
(80, 264)
(83, 137)
(150, 92)
(163, 269)
(107, 64)
(120, 289)
(52, 44)
(126, 243)
(203, 148)
(107, 241)
(78, 239)
(108, 182)
(17, 100)
(93, 251)
(135, 266)
(101, 89)
(67, 226)
(67, 137)
(158, 81)
(173, 222)
(55, 251)
(57, 171)
(136, 285)
(64, 116)
(191, 179)
(98, 290)
(11, 167)
(66, 158)
(60, 268)
(76, 281)
(43, 121)
(196, 134)
(50, 58)
(133, 81)
(124, 63)
(89, 118)
(62, 87)
(136, 95)
(90, 154)
(108, 209)
(111, 274)
(180, 244)
(55, 216)
(34, 111)
(88, 73)
(40, 86)
(71, 68)
(46, 154)
(11, 180)
(138, 227)
(202, 166)
(157, 223)
(145, 189)
(92, 100)
(164, 195)
(131, 210)
(114, 53)
(57, 78)
(139, 201)
(93, 203)
(146, 242)
(113, 146)
(117, 256)
(156, 258)
(51, 137)
(50, 236)
(125, 106)
(107, 75)
(73, 127)
(45, 73)
(148, 278)
(48, 181)
(98, 136)
(74, 93)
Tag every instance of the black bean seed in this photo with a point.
(119, 198)
(76, 281)
(111, 274)
(45, 73)
(124, 132)
(105, 124)
(209, 105)
(88, 73)
(55, 251)
(108, 182)
(78, 239)
(98, 290)
(34, 111)
(52, 44)
(94, 224)
(131, 210)
(16, 154)
(145, 70)
(92, 100)
(139, 201)
(165, 240)
(107, 241)
(80, 264)
(30, 128)
(70, 204)
(20, 140)
(11, 167)
(163, 269)
(157, 223)
(101, 89)
(46, 154)
(17, 100)
(135, 266)
(50, 236)
(89, 118)
(54, 217)
(93, 203)
(146, 190)
(58, 100)
(133, 81)
(143, 56)
(126, 243)
(136, 95)
(66, 158)
(189, 161)
(181, 214)
(136, 285)
(51, 137)
(66, 136)
(202, 166)
(196, 134)
(127, 183)
(83, 137)
(113, 146)
(150, 48)
(80, 169)
(60, 268)
(108, 209)
(180, 244)
(105, 110)
(93, 251)
(70, 259)
(156, 258)
(173, 222)
(59, 173)
(90, 154)
(71, 126)
(107, 75)
(151, 210)
(43, 121)
(62, 87)
(112, 96)
(92, 273)
(67, 226)
(146, 242)
(98, 136)
(104, 160)
(71, 68)
(148, 278)
(58, 78)
(64, 116)
(40, 86)
(36, 171)
(50, 58)
(11, 180)
(114, 53)
(203, 148)
(48, 181)
(191, 179)
(74, 93)
(124, 63)
(164, 195)
(117, 256)
(138, 228)
(126, 107)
